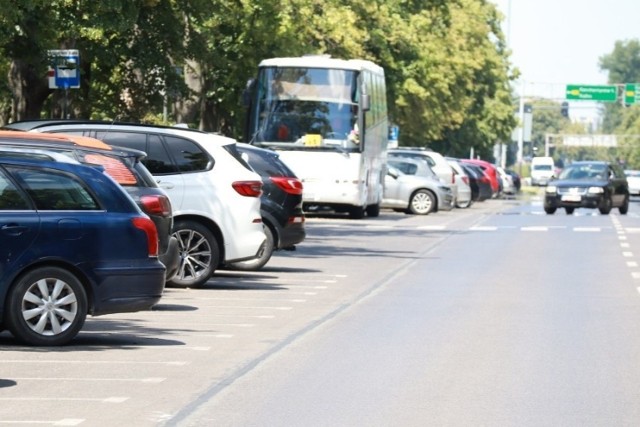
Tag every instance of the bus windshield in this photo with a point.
(308, 107)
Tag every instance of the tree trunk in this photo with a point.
(29, 89)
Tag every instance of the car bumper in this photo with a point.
(580, 201)
(171, 258)
(127, 287)
(291, 234)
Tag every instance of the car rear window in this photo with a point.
(267, 163)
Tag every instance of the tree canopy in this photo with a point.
(446, 62)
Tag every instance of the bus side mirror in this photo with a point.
(247, 92)
(365, 101)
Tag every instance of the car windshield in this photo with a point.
(584, 172)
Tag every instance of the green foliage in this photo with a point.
(188, 61)
(623, 66)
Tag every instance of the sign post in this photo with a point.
(632, 93)
(604, 93)
(64, 72)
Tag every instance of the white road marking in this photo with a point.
(635, 274)
(432, 227)
(534, 228)
(624, 245)
(68, 399)
(632, 264)
(587, 229)
(136, 380)
(483, 228)
(627, 254)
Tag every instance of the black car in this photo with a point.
(478, 181)
(281, 204)
(588, 184)
(122, 164)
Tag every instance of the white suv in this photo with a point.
(214, 192)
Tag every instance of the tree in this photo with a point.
(623, 65)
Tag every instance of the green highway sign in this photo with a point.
(632, 93)
(606, 93)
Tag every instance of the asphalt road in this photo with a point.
(493, 315)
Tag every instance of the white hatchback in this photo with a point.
(214, 193)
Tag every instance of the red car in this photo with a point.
(491, 172)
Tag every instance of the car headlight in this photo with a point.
(595, 190)
(550, 189)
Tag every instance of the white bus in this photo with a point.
(327, 118)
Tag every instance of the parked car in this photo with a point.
(281, 205)
(436, 160)
(633, 178)
(123, 165)
(515, 177)
(508, 187)
(414, 194)
(588, 184)
(215, 194)
(491, 172)
(479, 182)
(464, 195)
(74, 243)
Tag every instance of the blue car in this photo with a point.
(72, 243)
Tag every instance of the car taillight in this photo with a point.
(155, 204)
(465, 179)
(289, 185)
(248, 188)
(296, 219)
(146, 225)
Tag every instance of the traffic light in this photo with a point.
(564, 110)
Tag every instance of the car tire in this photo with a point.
(605, 206)
(422, 202)
(569, 210)
(199, 254)
(264, 254)
(46, 307)
(373, 211)
(464, 205)
(550, 210)
(624, 208)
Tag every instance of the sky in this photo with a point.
(560, 42)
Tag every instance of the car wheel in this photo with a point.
(605, 206)
(356, 212)
(464, 205)
(373, 210)
(550, 210)
(569, 210)
(264, 254)
(199, 254)
(625, 206)
(47, 306)
(422, 202)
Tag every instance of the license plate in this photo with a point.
(571, 198)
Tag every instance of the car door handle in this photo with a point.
(14, 229)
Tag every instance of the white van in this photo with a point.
(542, 170)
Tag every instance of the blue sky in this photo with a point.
(559, 42)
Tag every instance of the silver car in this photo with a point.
(414, 194)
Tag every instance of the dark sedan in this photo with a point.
(590, 184)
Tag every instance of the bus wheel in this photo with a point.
(356, 212)
(373, 210)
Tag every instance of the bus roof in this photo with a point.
(322, 61)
